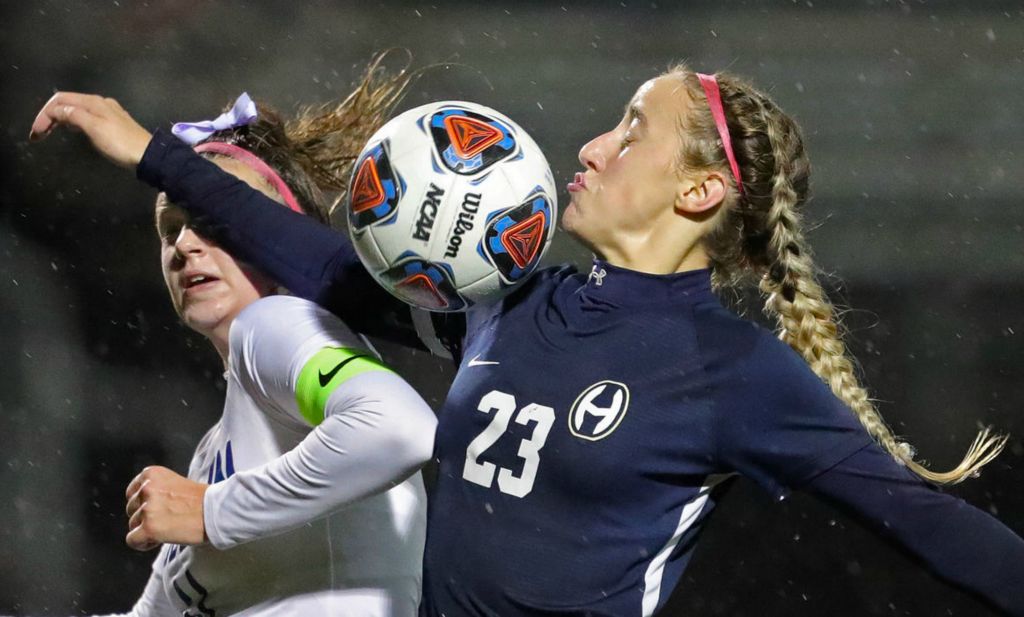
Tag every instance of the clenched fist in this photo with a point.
(164, 507)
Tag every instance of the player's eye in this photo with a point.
(169, 223)
(626, 140)
(169, 234)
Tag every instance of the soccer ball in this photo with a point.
(451, 204)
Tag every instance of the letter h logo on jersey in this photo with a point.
(598, 410)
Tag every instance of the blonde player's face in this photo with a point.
(208, 287)
(630, 180)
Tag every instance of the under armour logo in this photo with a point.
(597, 276)
(608, 413)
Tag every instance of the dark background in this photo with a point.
(912, 114)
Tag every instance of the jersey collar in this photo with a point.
(622, 287)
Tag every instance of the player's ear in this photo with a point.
(700, 193)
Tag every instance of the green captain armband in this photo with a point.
(328, 369)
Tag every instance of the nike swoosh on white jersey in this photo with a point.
(476, 361)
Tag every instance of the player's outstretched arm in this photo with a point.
(311, 260)
(224, 202)
(785, 429)
(956, 541)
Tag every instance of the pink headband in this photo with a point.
(256, 163)
(710, 85)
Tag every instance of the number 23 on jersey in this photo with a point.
(504, 407)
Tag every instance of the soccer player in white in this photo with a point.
(305, 498)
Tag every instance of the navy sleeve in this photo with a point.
(956, 541)
(310, 259)
(778, 423)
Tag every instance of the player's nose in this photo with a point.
(189, 242)
(592, 155)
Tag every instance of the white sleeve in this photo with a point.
(375, 429)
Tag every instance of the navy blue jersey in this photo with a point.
(593, 418)
(585, 432)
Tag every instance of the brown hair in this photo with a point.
(315, 150)
(759, 236)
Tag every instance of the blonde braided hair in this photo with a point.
(759, 234)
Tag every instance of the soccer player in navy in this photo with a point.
(594, 415)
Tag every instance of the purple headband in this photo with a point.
(243, 112)
(711, 91)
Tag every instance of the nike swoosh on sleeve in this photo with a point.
(325, 378)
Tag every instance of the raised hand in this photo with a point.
(112, 131)
(164, 507)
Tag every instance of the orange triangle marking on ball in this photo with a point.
(420, 288)
(367, 191)
(470, 136)
(523, 240)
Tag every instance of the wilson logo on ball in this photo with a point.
(515, 237)
(375, 190)
(469, 142)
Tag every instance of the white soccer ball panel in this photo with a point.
(485, 291)
(369, 254)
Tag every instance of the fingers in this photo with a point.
(133, 486)
(135, 520)
(135, 501)
(140, 537)
(74, 109)
(136, 495)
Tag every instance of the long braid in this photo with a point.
(761, 234)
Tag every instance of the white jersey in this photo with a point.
(316, 505)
